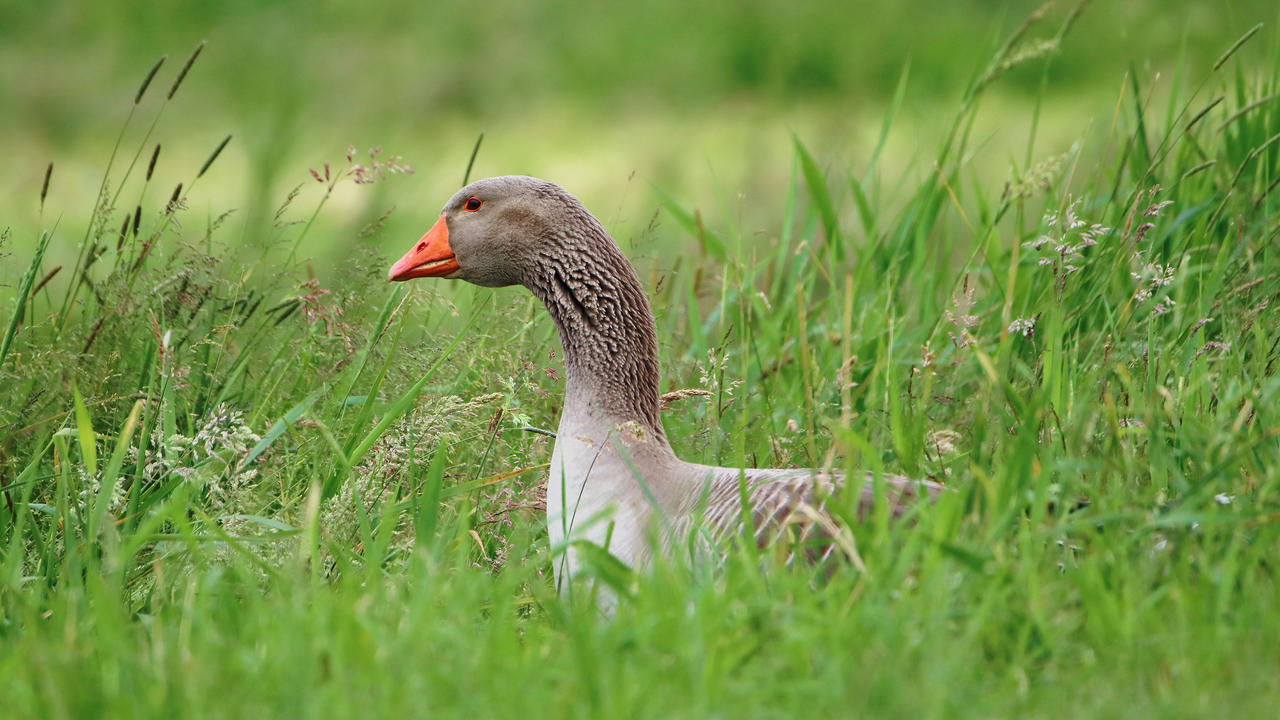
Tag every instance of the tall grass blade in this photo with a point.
(820, 196)
(866, 215)
(427, 517)
(107, 483)
(279, 427)
(84, 431)
(11, 575)
(24, 294)
(471, 161)
(395, 300)
(401, 406)
(899, 94)
(711, 242)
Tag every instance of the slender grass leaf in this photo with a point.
(15, 552)
(819, 194)
(427, 517)
(107, 484)
(865, 213)
(401, 405)
(711, 243)
(84, 431)
(279, 427)
(24, 294)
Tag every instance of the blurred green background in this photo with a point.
(699, 99)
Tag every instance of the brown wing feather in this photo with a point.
(789, 508)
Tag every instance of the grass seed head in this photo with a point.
(1039, 178)
(1025, 326)
(961, 317)
(146, 82)
(173, 199)
(44, 188)
(216, 152)
(1236, 46)
(1025, 53)
(151, 166)
(181, 75)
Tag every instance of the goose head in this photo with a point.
(492, 230)
(516, 230)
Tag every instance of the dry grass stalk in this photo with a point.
(93, 335)
(668, 400)
(45, 280)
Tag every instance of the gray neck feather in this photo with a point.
(605, 324)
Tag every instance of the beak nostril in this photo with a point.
(422, 246)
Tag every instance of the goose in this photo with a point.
(614, 480)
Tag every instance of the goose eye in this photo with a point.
(472, 204)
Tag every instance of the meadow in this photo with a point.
(1032, 258)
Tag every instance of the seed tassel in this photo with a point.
(216, 152)
(147, 82)
(151, 166)
(183, 74)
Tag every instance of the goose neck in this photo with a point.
(608, 336)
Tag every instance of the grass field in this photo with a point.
(243, 476)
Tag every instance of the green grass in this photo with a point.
(235, 488)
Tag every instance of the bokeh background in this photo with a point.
(608, 99)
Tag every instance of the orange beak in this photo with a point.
(430, 257)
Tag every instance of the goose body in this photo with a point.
(614, 480)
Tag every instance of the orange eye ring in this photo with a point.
(472, 204)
